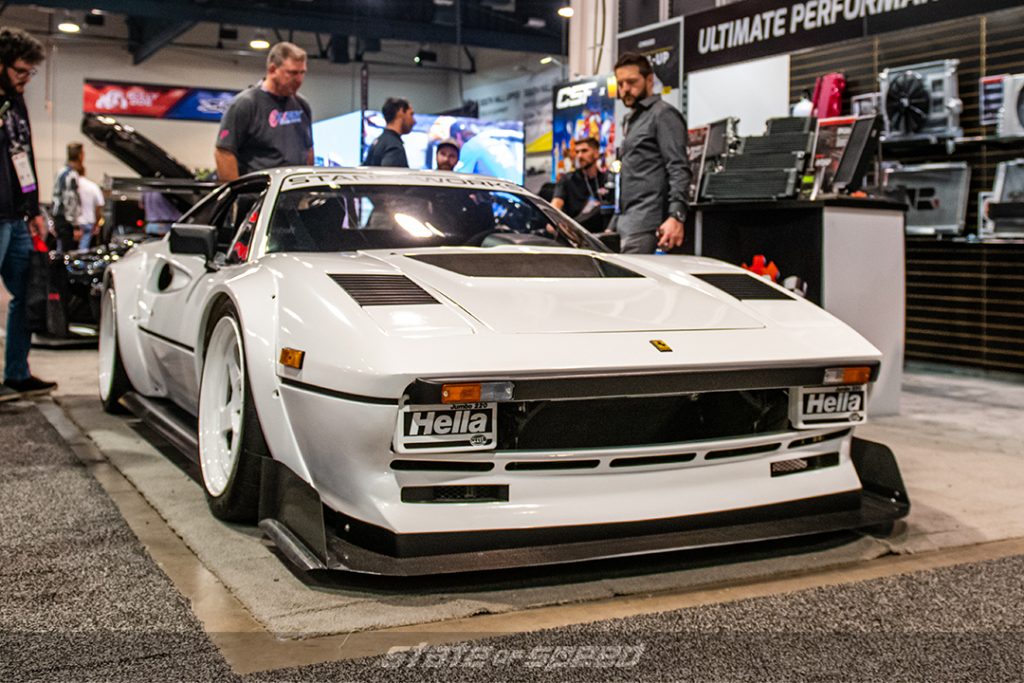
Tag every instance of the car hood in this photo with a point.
(132, 148)
(519, 291)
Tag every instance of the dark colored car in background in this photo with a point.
(75, 278)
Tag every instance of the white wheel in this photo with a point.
(221, 406)
(113, 379)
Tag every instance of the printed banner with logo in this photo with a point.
(760, 28)
(660, 44)
(155, 101)
(583, 109)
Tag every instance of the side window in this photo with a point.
(234, 209)
(239, 249)
(203, 212)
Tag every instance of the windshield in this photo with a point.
(351, 217)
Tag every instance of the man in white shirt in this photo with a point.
(90, 216)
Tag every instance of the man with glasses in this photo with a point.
(20, 217)
(269, 124)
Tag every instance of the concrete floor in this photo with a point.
(958, 443)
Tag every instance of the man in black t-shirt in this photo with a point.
(270, 124)
(581, 193)
(388, 150)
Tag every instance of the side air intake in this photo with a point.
(383, 290)
(742, 286)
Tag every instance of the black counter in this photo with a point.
(788, 204)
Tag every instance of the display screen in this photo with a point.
(492, 148)
(842, 149)
(833, 134)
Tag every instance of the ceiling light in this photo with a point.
(566, 12)
(535, 22)
(68, 25)
(259, 42)
(549, 60)
(425, 56)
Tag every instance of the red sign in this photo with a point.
(155, 101)
(129, 99)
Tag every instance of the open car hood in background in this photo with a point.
(132, 148)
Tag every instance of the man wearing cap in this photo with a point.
(447, 155)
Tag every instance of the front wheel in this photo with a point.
(230, 437)
(113, 379)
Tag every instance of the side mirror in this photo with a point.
(198, 240)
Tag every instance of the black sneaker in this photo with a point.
(8, 394)
(31, 386)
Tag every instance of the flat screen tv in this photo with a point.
(494, 148)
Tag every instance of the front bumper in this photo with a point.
(310, 534)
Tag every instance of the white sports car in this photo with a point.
(410, 373)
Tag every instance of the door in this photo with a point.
(177, 287)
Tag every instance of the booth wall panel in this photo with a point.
(985, 45)
(965, 303)
(965, 300)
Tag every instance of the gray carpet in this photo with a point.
(964, 623)
(80, 600)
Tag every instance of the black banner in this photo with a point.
(660, 44)
(760, 28)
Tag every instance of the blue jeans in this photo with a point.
(86, 240)
(15, 245)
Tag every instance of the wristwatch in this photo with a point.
(678, 215)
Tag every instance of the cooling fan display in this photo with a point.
(921, 100)
(1011, 115)
(1006, 210)
(908, 103)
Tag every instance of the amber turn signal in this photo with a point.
(292, 358)
(477, 392)
(460, 393)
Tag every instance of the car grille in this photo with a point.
(625, 422)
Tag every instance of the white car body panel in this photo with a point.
(481, 328)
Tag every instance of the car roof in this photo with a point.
(307, 176)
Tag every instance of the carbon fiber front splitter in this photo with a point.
(315, 539)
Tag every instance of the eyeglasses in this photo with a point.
(23, 72)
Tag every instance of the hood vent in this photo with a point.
(742, 286)
(383, 290)
(531, 265)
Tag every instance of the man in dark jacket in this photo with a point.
(581, 193)
(388, 150)
(655, 177)
(20, 218)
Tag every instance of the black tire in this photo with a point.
(238, 501)
(114, 382)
